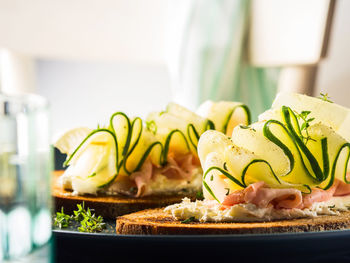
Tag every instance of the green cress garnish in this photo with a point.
(62, 220)
(91, 223)
(88, 221)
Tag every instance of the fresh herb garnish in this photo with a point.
(62, 220)
(228, 191)
(225, 166)
(79, 214)
(325, 97)
(91, 223)
(199, 195)
(88, 221)
(331, 206)
(305, 125)
(188, 220)
(211, 177)
(151, 126)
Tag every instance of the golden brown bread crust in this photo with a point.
(158, 222)
(107, 206)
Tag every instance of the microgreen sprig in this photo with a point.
(305, 125)
(325, 97)
(88, 220)
(79, 214)
(151, 126)
(91, 223)
(62, 220)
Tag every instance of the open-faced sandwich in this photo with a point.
(131, 164)
(287, 172)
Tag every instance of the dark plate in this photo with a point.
(327, 246)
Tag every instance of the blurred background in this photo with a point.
(92, 58)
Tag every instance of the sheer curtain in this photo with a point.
(211, 58)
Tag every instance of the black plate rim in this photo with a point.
(270, 236)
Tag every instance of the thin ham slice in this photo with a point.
(319, 195)
(280, 198)
(339, 188)
(262, 196)
(179, 167)
(142, 177)
(243, 196)
(288, 198)
(343, 188)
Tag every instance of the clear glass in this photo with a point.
(25, 168)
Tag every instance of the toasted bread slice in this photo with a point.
(158, 222)
(108, 206)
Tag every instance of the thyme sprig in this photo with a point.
(325, 97)
(305, 125)
(151, 126)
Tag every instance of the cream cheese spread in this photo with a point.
(160, 184)
(211, 211)
(165, 186)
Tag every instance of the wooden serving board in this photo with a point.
(158, 222)
(107, 206)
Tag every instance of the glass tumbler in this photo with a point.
(25, 166)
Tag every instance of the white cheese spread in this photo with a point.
(159, 185)
(210, 211)
(165, 186)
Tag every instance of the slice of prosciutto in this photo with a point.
(289, 198)
(262, 196)
(343, 188)
(180, 167)
(142, 177)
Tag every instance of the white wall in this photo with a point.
(123, 30)
(86, 93)
(334, 73)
